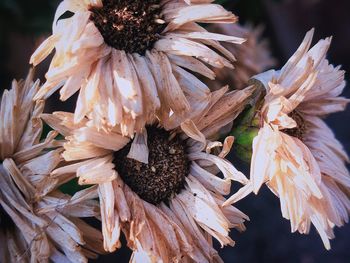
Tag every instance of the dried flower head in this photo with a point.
(144, 50)
(161, 188)
(253, 56)
(295, 153)
(38, 222)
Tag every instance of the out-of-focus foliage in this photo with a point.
(34, 17)
(247, 10)
(221, 2)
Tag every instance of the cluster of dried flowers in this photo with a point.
(146, 136)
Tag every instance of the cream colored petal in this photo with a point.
(140, 255)
(191, 85)
(239, 195)
(64, 241)
(185, 237)
(109, 141)
(172, 91)
(224, 111)
(185, 47)
(23, 184)
(165, 228)
(149, 87)
(211, 36)
(44, 50)
(228, 170)
(297, 55)
(263, 154)
(90, 38)
(56, 122)
(139, 148)
(110, 220)
(120, 200)
(128, 84)
(206, 13)
(115, 109)
(73, 83)
(192, 64)
(191, 227)
(205, 215)
(67, 227)
(226, 148)
(209, 180)
(35, 150)
(82, 150)
(190, 129)
(32, 133)
(97, 171)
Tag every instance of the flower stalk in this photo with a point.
(247, 125)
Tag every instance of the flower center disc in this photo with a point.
(300, 130)
(165, 173)
(132, 26)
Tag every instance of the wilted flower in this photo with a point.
(38, 223)
(253, 56)
(161, 188)
(295, 153)
(144, 50)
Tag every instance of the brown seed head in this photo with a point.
(132, 26)
(300, 130)
(165, 173)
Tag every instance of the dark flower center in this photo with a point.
(165, 173)
(132, 26)
(300, 130)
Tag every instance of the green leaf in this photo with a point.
(73, 187)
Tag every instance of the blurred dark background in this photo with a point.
(24, 24)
